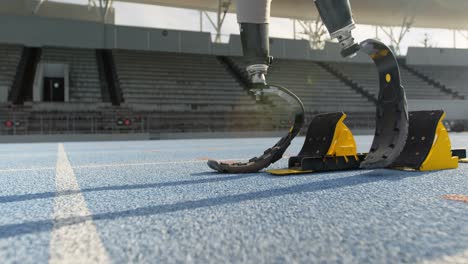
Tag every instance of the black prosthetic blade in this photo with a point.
(255, 164)
(331, 163)
(272, 154)
(319, 137)
(421, 135)
(392, 115)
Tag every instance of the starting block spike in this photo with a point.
(428, 144)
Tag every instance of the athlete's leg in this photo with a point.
(337, 17)
(253, 17)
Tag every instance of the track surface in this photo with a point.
(157, 202)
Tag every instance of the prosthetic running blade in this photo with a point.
(274, 153)
(392, 121)
(391, 124)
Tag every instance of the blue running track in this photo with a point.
(158, 202)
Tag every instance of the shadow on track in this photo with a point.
(210, 173)
(328, 184)
(48, 195)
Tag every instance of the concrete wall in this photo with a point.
(39, 31)
(36, 31)
(437, 56)
(300, 50)
(54, 9)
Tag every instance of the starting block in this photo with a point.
(461, 154)
(330, 146)
(428, 145)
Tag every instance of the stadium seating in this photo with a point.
(453, 77)
(319, 90)
(178, 82)
(84, 86)
(366, 76)
(175, 92)
(10, 55)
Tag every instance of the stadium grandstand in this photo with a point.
(90, 76)
(128, 127)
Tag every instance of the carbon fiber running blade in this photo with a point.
(274, 153)
(392, 113)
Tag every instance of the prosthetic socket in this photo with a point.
(256, 47)
(253, 17)
(336, 15)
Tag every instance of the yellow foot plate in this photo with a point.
(285, 172)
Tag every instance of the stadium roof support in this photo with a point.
(38, 6)
(223, 8)
(450, 14)
(104, 7)
(397, 38)
(314, 30)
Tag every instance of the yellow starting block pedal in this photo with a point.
(329, 145)
(291, 171)
(428, 145)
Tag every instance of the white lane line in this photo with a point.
(455, 259)
(77, 243)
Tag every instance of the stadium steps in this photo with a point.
(106, 79)
(84, 82)
(171, 81)
(238, 66)
(241, 75)
(22, 87)
(10, 56)
(365, 75)
(429, 77)
(453, 77)
(345, 79)
(318, 89)
(417, 88)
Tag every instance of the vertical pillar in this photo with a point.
(201, 21)
(454, 38)
(294, 28)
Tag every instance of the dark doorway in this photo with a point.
(54, 89)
